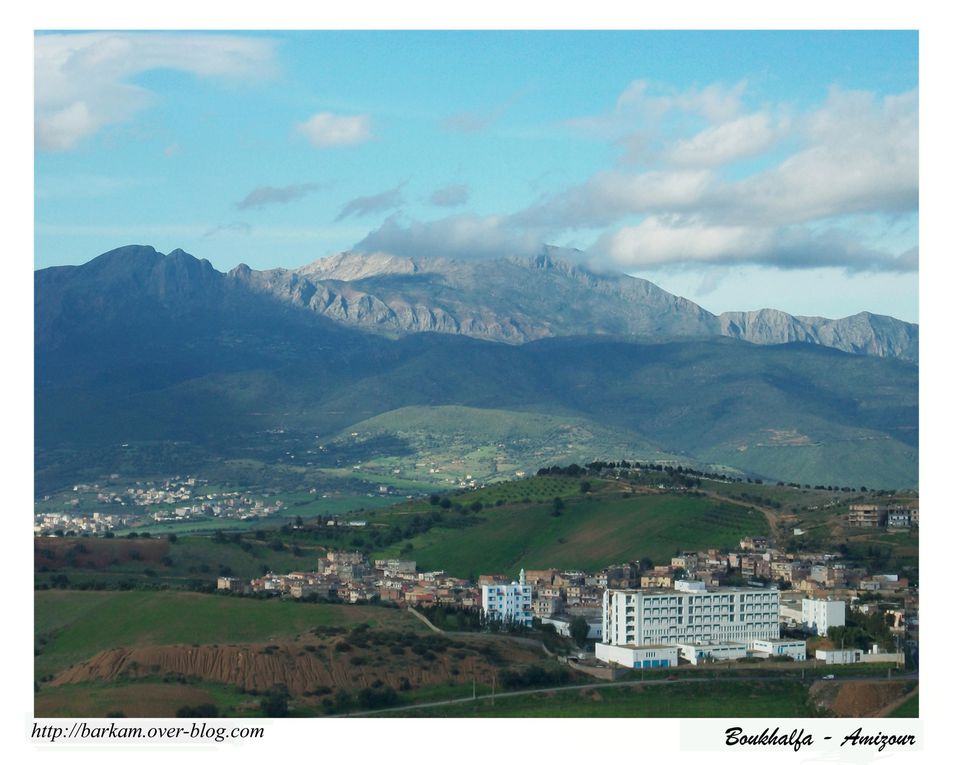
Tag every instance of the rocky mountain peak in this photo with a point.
(511, 299)
(353, 266)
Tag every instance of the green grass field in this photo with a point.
(909, 708)
(77, 624)
(784, 698)
(140, 699)
(587, 534)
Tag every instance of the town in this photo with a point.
(178, 499)
(756, 602)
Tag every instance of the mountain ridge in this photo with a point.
(510, 299)
(398, 294)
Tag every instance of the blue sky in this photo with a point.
(740, 169)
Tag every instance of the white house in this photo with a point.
(820, 615)
(508, 603)
(847, 656)
(768, 649)
(637, 657)
(714, 651)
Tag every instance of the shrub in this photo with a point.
(201, 710)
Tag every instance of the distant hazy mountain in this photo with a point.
(516, 300)
(191, 364)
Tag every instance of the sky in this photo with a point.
(742, 170)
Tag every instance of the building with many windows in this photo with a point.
(508, 603)
(691, 614)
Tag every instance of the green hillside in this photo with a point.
(589, 533)
(451, 442)
(862, 459)
(75, 625)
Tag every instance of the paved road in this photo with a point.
(590, 686)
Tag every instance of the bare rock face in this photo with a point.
(516, 300)
(864, 333)
(510, 300)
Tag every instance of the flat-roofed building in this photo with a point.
(820, 615)
(866, 516)
(231, 583)
(637, 657)
(695, 653)
(769, 649)
(723, 615)
(508, 603)
(545, 606)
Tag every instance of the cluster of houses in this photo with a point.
(651, 627)
(48, 524)
(866, 515)
(233, 505)
(176, 499)
(143, 493)
(648, 616)
(352, 578)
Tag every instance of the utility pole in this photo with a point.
(493, 678)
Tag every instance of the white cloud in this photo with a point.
(654, 242)
(660, 241)
(720, 144)
(859, 155)
(644, 104)
(460, 237)
(83, 81)
(840, 173)
(327, 130)
(609, 196)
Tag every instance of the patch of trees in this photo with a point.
(579, 630)
(535, 676)
(862, 631)
(200, 710)
(276, 702)
(455, 618)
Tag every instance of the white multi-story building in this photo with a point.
(820, 615)
(508, 603)
(690, 615)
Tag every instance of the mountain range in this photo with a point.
(519, 361)
(516, 300)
